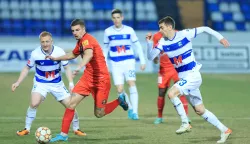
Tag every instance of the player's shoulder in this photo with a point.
(129, 28)
(110, 28)
(37, 50)
(157, 36)
(57, 49)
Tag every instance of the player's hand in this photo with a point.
(14, 86)
(224, 42)
(50, 57)
(71, 86)
(149, 36)
(143, 67)
(156, 60)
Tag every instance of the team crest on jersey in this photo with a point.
(124, 36)
(180, 43)
(85, 42)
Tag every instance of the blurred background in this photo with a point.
(21, 21)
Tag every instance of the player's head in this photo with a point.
(78, 28)
(166, 25)
(117, 17)
(46, 41)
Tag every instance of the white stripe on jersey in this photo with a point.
(49, 68)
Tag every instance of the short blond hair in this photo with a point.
(45, 33)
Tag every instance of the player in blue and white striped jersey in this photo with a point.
(178, 47)
(47, 79)
(119, 39)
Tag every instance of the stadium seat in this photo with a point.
(238, 17)
(87, 5)
(118, 4)
(213, 7)
(218, 26)
(247, 26)
(76, 5)
(240, 26)
(217, 16)
(224, 7)
(234, 7)
(230, 26)
(227, 16)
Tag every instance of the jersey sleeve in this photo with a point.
(190, 33)
(31, 60)
(64, 63)
(156, 38)
(133, 38)
(106, 38)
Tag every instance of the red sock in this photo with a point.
(185, 103)
(67, 119)
(111, 106)
(160, 105)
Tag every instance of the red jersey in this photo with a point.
(96, 69)
(165, 63)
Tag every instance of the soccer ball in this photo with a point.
(43, 135)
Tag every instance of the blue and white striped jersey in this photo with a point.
(180, 51)
(47, 71)
(120, 43)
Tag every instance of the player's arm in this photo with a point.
(151, 51)
(23, 74)
(87, 56)
(68, 74)
(106, 44)
(214, 33)
(68, 56)
(140, 54)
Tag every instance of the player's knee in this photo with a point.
(131, 83)
(34, 105)
(171, 94)
(162, 92)
(99, 112)
(71, 105)
(119, 89)
(199, 111)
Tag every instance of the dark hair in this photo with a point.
(168, 21)
(77, 22)
(114, 11)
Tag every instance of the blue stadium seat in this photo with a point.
(90, 25)
(218, 26)
(228, 16)
(247, 16)
(213, 7)
(241, 26)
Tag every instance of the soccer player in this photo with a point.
(95, 79)
(178, 47)
(119, 39)
(47, 80)
(166, 73)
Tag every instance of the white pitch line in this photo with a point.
(120, 118)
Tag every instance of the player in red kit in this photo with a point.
(166, 73)
(95, 79)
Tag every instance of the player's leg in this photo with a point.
(130, 76)
(163, 84)
(38, 94)
(100, 94)
(80, 91)
(160, 104)
(183, 98)
(173, 94)
(118, 78)
(196, 101)
(68, 117)
(75, 123)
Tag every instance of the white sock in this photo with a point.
(75, 122)
(180, 109)
(128, 101)
(211, 118)
(134, 98)
(30, 116)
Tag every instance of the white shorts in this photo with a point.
(126, 71)
(58, 90)
(189, 86)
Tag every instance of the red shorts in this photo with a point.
(164, 78)
(99, 90)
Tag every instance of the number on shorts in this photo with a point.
(131, 73)
(66, 89)
(182, 82)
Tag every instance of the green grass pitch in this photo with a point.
(227, 96)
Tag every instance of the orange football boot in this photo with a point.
(23, 132)
(80, 133)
